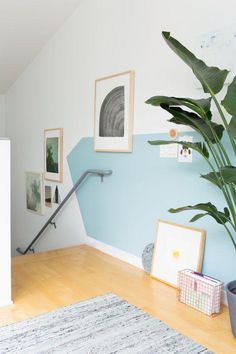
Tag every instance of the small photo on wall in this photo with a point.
(56, 197)
(34, 192)
(48, 196)
(114, 100)
(53, 154)
(185, 154)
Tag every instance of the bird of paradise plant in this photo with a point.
(196, 113)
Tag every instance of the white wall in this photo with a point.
(2, 116)
(5, 252)
(57, 90)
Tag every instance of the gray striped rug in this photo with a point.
(102, 325)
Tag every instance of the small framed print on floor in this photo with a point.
(177, 247)
(53, 154)
(113, 112)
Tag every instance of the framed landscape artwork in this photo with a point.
(34, 192)
(113, 112)
(176, 248)
(53, 154)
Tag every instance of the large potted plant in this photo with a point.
(196, 114)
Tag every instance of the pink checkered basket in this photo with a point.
(200, 291)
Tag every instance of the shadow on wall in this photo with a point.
(123, 211)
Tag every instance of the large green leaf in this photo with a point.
(229, 102)
(227, 213)
(214, 178)
(192, 120)
(212, 78)
(232, 127)
(201, 106)
(199, 147)
(198, 216)
(229, 174)
(209, 209)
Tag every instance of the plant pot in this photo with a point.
(231, 297)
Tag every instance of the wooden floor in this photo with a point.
(46, 281)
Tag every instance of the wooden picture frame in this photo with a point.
(176, 247)
(34, 192)
(113, 112)
(53, 155)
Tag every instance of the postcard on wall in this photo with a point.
(185, 154)
(113, 112)
(53, 154)
(168, 151)
(48, 196)
(34, 192)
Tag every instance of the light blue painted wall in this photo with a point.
(123, 210)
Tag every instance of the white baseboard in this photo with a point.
(115, 252)
(224, 298)
(6, 303)
(125, 256)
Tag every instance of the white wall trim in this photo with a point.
(6, 303)
(115, 252)
(224, 298)
(126, 257)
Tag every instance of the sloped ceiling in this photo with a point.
(25, 27)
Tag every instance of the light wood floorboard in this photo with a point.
(46, 281)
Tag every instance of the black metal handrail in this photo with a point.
(100, 173)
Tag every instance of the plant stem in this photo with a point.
(231, 188)
(225, 191)
(221, 149)
(219, 164)
(223, 120)
(231, 236)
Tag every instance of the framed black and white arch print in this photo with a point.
(113, 112)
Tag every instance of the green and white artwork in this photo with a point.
(53, 154)
(34, 192)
